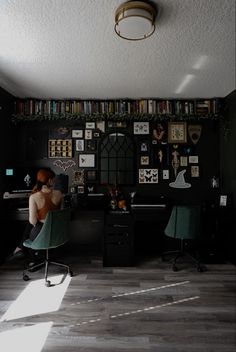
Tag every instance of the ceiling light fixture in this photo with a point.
(135, 20)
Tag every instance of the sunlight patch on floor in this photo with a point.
(36, 298)
(27, 339)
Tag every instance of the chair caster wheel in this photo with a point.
(71, 273)
(26, 277)
(47, 283)
(174, 267)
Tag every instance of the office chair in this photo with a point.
(184, 224)
(53, 234)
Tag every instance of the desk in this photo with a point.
(120, 236)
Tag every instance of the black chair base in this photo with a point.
(45, 263)
(181, 254)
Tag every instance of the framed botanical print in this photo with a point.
(177, 132)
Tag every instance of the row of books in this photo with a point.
(142, 106)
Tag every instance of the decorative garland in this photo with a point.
(114, 117)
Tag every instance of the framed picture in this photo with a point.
(78, 177)
(91, 175)
(117, 124)
(79, 145)
(60, 148)
(177, 132)
(223, 200)
(100, 125)
(148, 176)
(77, 134)
(141, 127)
(90, 125)
(165, 174)
(144, 146)
(193, 159)
(91, 145)
(144, 160)
(194, 171)
(80, 189)
(86, 160)
(96, 134)
(183, 161)
(88, 134)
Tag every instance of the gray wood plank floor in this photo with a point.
(147, 307)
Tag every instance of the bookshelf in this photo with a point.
(35, 109)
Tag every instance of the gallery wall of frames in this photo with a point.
(174, 144)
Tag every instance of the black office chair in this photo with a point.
(184, 224)
(53, 234)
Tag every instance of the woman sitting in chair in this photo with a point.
(42, 199)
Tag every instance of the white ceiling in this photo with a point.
(68, 49)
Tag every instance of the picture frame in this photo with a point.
(193, 159)
(91, 145)
(177, 132)
(184, 161)
(78, 177)
(91, 175)
(144, 146)
(223, 200)
(86, 160)
(100, 125)
(79, 145)
(90, 125)
(165, 174)
(80, 189)
(144, 160)
(147, 176)
(77, 133)
(60, 148)
(88, 134)
(194, 171)
(117, 124)
(141, 127)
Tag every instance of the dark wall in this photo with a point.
(32, 150)
(7, 155)
(228, 172)
(26, 144)
(7, 140)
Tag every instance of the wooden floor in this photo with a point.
(147, 307)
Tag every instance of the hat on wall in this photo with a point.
(180, 181)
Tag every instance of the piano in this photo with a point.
(150, 217)
(147, 204)
(16, 203)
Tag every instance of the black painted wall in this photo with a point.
(7, 140)
(25, 144)
(32, 150)
(228, 174)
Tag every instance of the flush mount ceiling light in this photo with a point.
(135, 20)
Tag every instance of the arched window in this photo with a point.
(117, 159)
